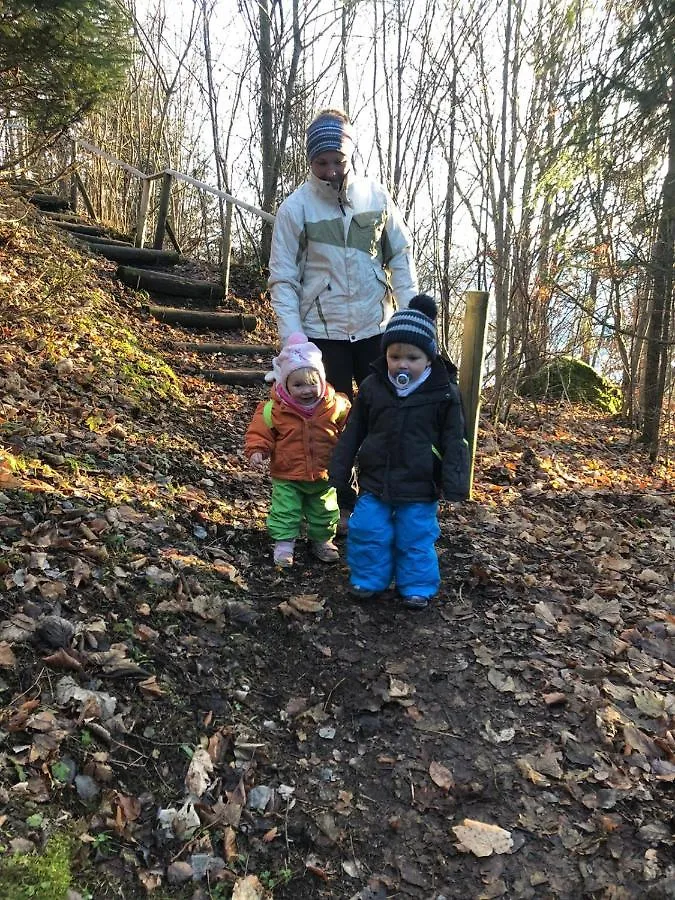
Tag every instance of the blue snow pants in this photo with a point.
(394, 542)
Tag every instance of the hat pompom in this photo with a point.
(414, 324)
(425, 304)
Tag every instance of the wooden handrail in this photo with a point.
(180, 176)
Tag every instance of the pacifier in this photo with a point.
(402, 379)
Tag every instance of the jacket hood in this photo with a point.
(326, 189)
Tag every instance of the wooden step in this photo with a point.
(81, 228)
(226, 349)
(70, 217)
(49, 202)
(139, 256)
(197, 318)
(176, 302)
(171, 285)
(24, 184)
(245, 377)
(102, 240)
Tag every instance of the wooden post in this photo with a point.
(471, 369)
(227, 247)
(73, 173)
(143, 203)
(164, 201)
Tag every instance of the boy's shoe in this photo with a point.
(361, 593)
(283, 553)
(326, 551)
(416, 602)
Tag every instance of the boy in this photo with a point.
(406, 432)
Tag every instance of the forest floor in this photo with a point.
(179, 719)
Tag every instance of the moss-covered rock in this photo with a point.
(573, 380)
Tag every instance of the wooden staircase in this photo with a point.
(176, 300)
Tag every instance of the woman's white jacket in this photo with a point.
(339, 260)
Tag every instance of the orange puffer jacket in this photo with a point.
(299, 448)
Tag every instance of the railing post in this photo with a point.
(226, 249)
(143, 203)
(164, 201)
(471, 368)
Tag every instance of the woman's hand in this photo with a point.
(258, 460)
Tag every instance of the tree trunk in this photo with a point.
(273, 150)
(658, 330)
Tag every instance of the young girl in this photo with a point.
(406, 432)
(297, 429)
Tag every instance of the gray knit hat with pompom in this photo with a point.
(414, 325)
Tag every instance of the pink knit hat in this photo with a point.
(299, 353)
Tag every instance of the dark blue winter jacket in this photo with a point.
(407, 449)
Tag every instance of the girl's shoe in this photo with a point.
(283, 553)
(416, 602)
(326, 551)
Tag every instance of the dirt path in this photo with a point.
(200, 725)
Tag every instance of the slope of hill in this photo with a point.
(181, 720)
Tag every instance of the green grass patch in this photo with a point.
(37, 876)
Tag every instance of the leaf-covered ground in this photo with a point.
(192, 723)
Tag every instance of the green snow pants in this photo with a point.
(296, 501)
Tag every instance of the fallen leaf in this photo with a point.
(651, 703)
(7, 657)
(482, 839)
(64, 659)
(528, 770)
(230, 851)
(18, 629)
(545, 613)
(441, 776)
(501, 682)
(399, 689)
(616, 563)
(249, 888)
(555, 698)
(199, 772)
(115, 663)
(307, 603)
(150, 687)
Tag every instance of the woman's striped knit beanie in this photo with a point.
(415, 325)
(329, 132)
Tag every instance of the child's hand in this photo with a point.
(257, 460)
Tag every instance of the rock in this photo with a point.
(21, 845)
(179, 873)
(260, 797)
(54, 631)
(204, 864)
(571, 379)
(87, 789)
